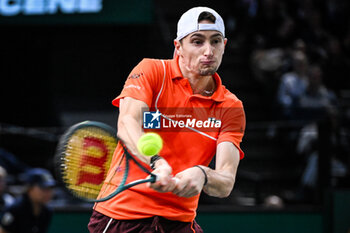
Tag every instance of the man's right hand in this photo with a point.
(165, 182)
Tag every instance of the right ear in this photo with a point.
(177, 45)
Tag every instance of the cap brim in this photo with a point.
(49, 184)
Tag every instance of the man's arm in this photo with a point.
(130, 124)
(220, 181)
(130, 130)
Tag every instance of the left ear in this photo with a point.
(225, 42)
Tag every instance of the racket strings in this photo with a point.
(117, 170)
(88, 154)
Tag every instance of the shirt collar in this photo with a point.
(218, 95)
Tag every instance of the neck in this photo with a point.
(36, 208)
(203, 85)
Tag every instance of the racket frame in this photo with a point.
(60, 156)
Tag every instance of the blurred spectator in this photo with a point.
(314, 35)
(266, 64)
(293, 84)
(308, 147)
(317, 103)
(317, 98)
(284, 37)
(30, 212)
(6, 199)
(319, 30)
(11, 163)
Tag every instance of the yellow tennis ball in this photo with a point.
(150, 144)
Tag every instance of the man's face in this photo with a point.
(201, 51)
(40, 195)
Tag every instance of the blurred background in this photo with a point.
(63, 61)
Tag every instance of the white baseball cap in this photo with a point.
(188, 22)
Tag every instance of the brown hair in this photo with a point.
(205, 15)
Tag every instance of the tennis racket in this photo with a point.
(83, 157)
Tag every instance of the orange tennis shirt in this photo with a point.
(198, 125)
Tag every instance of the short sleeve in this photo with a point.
(142, 82)
(233, 125)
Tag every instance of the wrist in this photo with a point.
(154, 160)
(204, 173)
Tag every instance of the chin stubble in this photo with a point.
(206, 72)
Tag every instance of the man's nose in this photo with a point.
(208, 50)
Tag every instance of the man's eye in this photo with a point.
(216, 41)
(197, 42)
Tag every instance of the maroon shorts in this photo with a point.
(100, 223)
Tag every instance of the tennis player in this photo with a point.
(187, 83)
